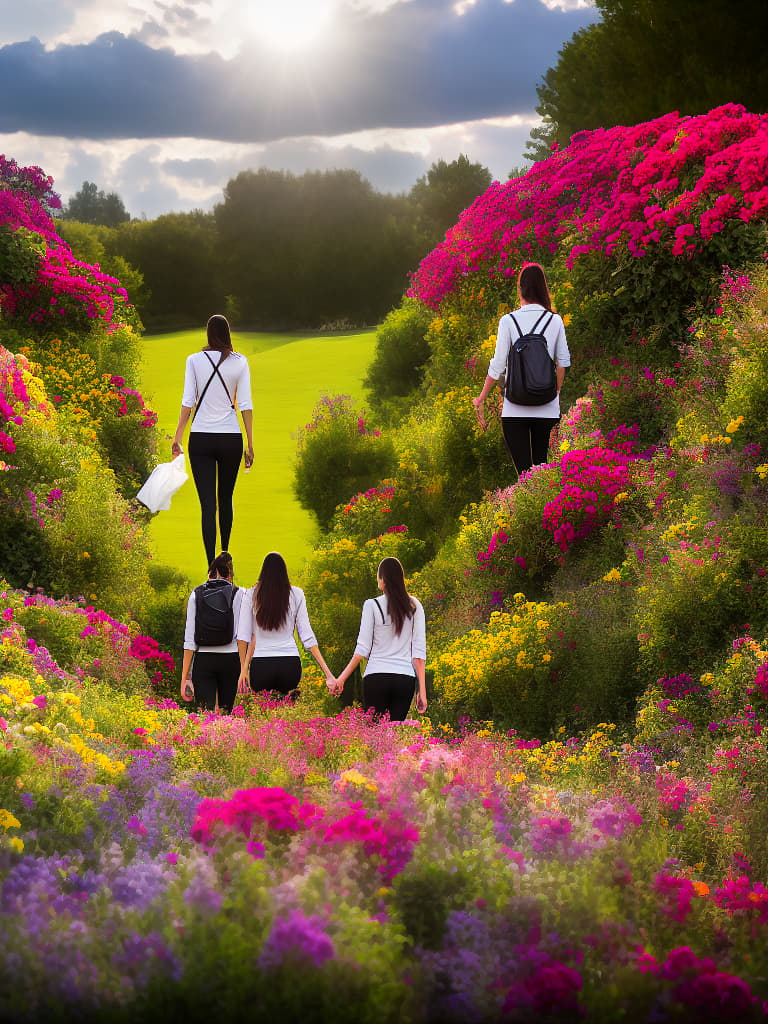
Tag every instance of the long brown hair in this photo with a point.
(532, 285)
(401, 607)
(219, 337)
(272, 593)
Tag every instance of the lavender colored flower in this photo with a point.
(296, 938)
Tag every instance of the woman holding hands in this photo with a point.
(392, 638)
(270, 613)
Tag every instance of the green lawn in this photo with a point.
(289, 373)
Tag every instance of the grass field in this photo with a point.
(289, 373)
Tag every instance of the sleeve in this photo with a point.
(237, 609)
(189, 398)
(419, 642)
(303, 627)
(245, 619)
(244, 400)
(562, 353)
(189, 628)
(498, 365)
(365, 636)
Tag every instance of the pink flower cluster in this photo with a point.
(699, 986)
(63, 285)
(590, 480)
(672, 183)
(146, 649)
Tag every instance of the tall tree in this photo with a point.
(648, 57)
(91, 205)
(444, 192)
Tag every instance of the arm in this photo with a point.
(497, 366)
(560, 372)
(247, 415)
(186, 664)
(245, 650)
(421, 691)
(345, 673)
(479, 402)
(184, 415)
(330, 680)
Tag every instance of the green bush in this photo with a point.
(338, 456)
(401, 355)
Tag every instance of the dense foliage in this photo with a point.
(645, 58)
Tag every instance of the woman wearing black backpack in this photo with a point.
(210, 639)
(527, 419)
(216, 380)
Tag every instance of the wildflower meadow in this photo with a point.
(577, 828)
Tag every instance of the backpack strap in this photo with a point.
(534, 329)
(216, 373)
(383, 621)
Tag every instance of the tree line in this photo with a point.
(280, 251)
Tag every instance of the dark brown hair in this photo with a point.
(219, 338)
(222, 565)
(272, 593)
(532, 285)
(401, 607)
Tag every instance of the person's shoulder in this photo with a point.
(297, 592)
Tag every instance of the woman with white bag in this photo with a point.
(217, 382)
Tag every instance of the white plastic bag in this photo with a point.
(162, 484)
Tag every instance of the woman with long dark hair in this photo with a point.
(527, 428)
(216, 382)
(392, 639)
(215, 667)
(270, 614)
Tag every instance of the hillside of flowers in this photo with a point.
(576, 829)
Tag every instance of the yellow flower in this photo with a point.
(8, 820)
(16, 844)
(614, 574)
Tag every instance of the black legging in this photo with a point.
(388, 692)
(281, 673)
(207, 454)
(527, 438)
(215, 675)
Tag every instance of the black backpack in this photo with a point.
(214, 617)
(531, 374)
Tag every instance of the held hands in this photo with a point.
(243, 684)
(335, 686)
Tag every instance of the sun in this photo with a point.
(289, 24)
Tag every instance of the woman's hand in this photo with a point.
(248, 457)
(421, 702)
(176, 449)
(479, 404)
(187, 689)
(243, 684)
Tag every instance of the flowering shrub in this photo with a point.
(338, 456)
(645, 201)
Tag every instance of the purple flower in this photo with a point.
(297, 939)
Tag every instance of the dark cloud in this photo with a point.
(416, 64)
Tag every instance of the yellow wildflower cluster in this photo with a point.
(500, 661)
(352, 777)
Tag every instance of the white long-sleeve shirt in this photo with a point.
(384, 649)
(216, 415)
(557, 346)
(277, 643)
(189, 629)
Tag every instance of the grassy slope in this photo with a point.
(289, 373)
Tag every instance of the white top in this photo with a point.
(557, 347)
(384, 649)
(277, 643)
(189, 629)
(216, 415)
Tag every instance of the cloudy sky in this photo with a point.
(164, 101)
